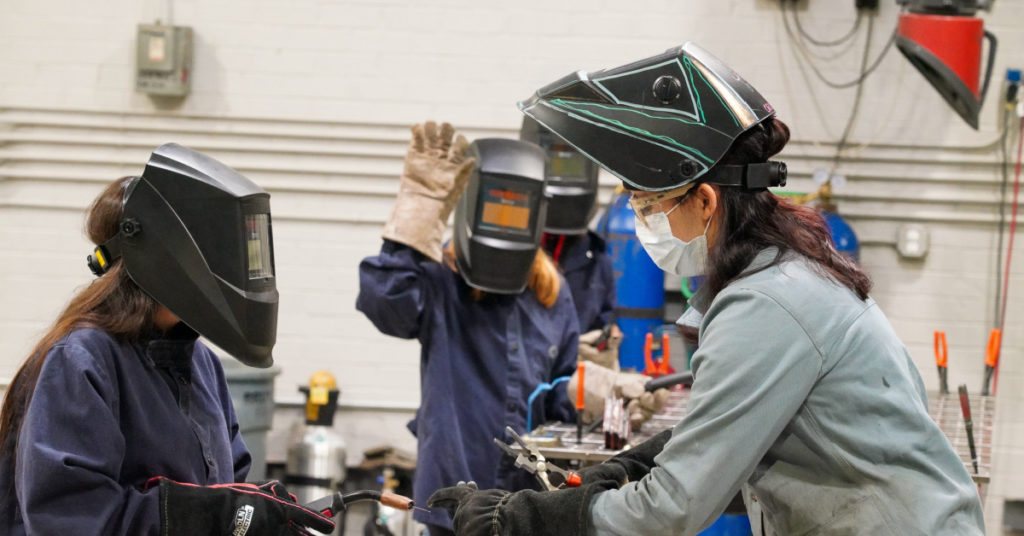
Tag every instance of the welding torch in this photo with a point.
(965, 407)
(331, 505)
(941, 360)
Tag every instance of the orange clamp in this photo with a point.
(665, 354)
(941, 350)
(650, 368)
(992, 352)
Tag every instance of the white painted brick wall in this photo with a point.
(374, 66)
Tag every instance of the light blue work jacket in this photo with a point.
(803, 392)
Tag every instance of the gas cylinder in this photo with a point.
(639, 283)
(316, 455)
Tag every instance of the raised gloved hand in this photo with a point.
(600, 347)
(435, 174)
(600, 383)
(537, 513)
(237, 509)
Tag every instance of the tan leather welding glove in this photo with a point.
(435, 175)
(600, 383)
(609, 357)
(644, 407)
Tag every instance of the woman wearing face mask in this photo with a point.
(803, 396)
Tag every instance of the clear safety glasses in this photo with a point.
(647, 204)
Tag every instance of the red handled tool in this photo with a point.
(602, 340)
(941, 360)
(965, 407)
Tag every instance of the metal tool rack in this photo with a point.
(557, 441)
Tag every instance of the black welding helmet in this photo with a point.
(661, 122)
(571, 181)
(500, 217)
(196, 236)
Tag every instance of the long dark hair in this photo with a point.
(113, 303)
(751, 220)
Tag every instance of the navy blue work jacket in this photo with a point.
(105, 417)
(480, 361)
(587, 267)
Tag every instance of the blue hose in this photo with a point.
(533, 396)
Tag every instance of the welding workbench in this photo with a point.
(557, 441)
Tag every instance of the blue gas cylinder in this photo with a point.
(639, 283)
(842, 235)
(729, 525)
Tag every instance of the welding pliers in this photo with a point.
(529, 458)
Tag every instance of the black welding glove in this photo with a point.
(629, 465)
(493, 512)
(249, 509)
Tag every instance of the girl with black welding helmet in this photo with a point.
(120, 421)
(494, 318)
(803, 396)
(490, 310)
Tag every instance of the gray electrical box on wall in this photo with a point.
(164, 60)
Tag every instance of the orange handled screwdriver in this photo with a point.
(580, 370)
(941, 359)
(991, 359)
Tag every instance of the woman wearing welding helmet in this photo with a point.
(803, 396)
(492, 315)
(120, 421)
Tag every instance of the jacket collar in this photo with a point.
(171, 349)
(580, 250)
(701, 300)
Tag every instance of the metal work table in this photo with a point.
(557, 441)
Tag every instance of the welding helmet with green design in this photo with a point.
(570, 181)
(660, 123)
(195, 235)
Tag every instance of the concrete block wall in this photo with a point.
(313, 99)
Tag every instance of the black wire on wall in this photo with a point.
(796, 42)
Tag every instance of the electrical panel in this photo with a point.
(164, 60)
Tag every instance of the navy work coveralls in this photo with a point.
(105, 417)
(587, 267)
(480, 360)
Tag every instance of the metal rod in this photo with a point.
(965, 407)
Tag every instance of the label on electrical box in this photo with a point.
(157, 48)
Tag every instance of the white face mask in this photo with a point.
(684, 259)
